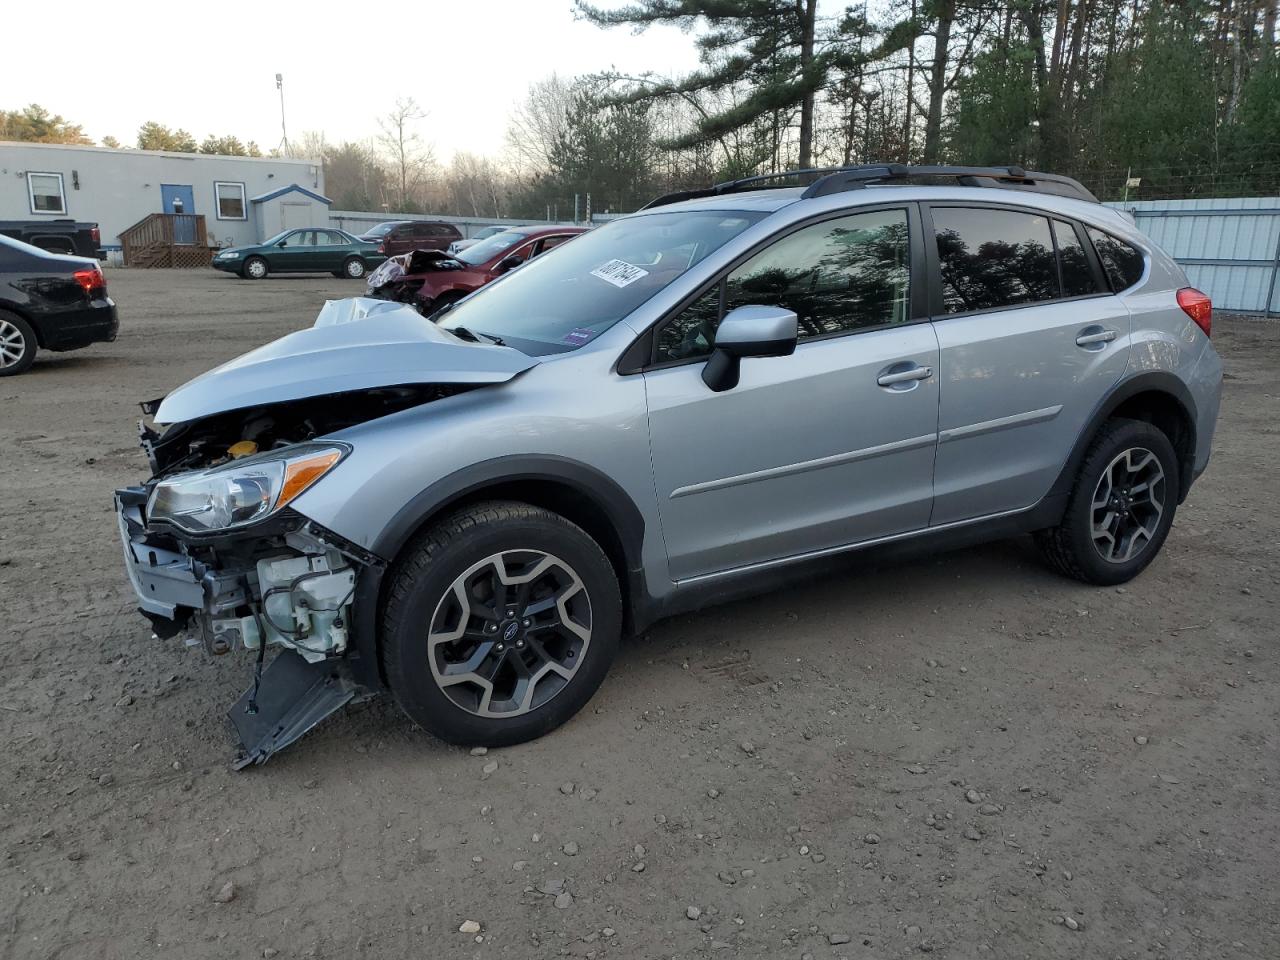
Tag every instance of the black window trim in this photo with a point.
(937, 310)
(1095, 267)
(1106, 278)
(641, 355)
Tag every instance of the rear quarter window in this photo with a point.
(1122, 262)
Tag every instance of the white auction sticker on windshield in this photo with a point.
(619, 273)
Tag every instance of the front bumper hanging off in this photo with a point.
(220, 601)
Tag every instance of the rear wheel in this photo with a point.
(1121, 507)
(17, 344)
(255, 268)
(501, 623)
(353, 269)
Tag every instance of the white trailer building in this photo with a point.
(193, 201)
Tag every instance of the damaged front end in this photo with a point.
(215, 546)
(287, 584)
(399, 278)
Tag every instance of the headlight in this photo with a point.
(228, 254)
(243, 491)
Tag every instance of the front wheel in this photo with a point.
(1121, 507)
(353, 269)
(502, 621)
(255, 268)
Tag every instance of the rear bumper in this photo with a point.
(1205, 383)
(72, 329)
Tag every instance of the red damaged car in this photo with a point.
(432, 279)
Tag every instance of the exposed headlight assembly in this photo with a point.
(244, 491)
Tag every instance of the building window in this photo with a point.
(230, 201)
(46, 193)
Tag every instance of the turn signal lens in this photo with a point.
(1198, 307)
(300, 474)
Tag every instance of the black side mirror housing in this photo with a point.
(509, 263)
(749, 331)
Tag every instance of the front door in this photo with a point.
(180, 198)
(828, 447)
(1030, 342)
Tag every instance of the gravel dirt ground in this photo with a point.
(961, 756)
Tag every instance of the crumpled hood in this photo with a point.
(356, 344)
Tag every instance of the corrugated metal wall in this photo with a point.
(1230, 248)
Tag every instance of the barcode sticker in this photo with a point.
(619, 273)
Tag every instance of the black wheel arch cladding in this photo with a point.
(1151, 396)
(598, 505)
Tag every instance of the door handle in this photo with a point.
(904, 376)
(1101, 336)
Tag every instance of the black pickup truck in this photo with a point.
(57, 236)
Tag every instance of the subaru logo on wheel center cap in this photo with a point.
(510, 631)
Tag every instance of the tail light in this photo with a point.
(95, 235)
(382, 247)
(90, 279)
(1198, 307)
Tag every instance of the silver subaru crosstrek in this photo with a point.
(684, 405)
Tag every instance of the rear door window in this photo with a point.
(1122, 263)
(1077, 273)
(990, 259)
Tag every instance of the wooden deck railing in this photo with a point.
(167, 240)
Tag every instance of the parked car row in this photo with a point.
(307, 250)
(331, 250)
(432, 280)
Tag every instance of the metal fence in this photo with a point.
(358, 221)
(1229, 247)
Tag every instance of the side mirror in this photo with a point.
(283, 243)
(750, 331)
(509, 263)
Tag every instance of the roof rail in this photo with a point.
(839, 179)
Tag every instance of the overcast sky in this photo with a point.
(210, 67)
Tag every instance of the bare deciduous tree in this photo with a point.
(538, 123)
(411, 156)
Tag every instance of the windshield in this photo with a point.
(556, 304)
(489, 232)
(381, 230)
(478, 253)
(276, 239)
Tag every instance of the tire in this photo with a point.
(1120, 508)
(423, 624)
(255, 268)
(353, 268)
(18, 345)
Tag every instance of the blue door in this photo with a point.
(180, 198)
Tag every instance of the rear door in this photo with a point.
(1030, 341)
(332, 249)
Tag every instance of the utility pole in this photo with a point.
(284, 135)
